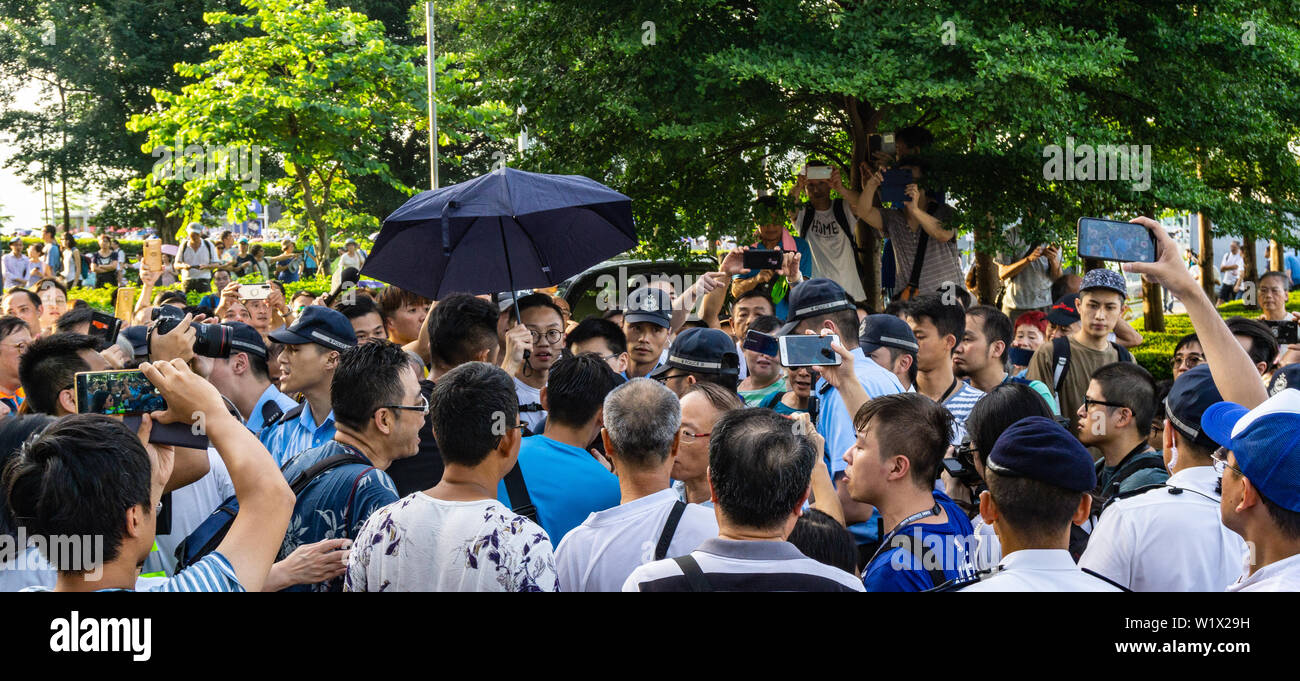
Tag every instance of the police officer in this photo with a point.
(313, 344)
(1039, 477)
(700, 354)
(244, 379)
(1169, 537)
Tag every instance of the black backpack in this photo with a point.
(1101, 498)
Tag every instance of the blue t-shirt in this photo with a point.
(322, 510)
(565, 484)
(950, 542)
(1293, 267)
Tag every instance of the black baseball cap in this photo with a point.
(244, 338)
(320, 325)
(886, 331)
(1065, 311)
(1041, 449)
(1191, 395)
(702, 350)
(650, 304)
(813, 298)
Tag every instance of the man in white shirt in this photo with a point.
(16, 265)
(196, 260)
(1260, 463)
(1039, 476)
(1169, 537)
(1230, 266)
(827, 227)
(642, 423)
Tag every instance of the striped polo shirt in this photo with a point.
(731, 565)
(959, 404)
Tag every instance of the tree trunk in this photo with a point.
(1249, 272)
(63, 157)
(986, 271)
(863, 121)
(1153, 301)
(1206, 246)
(1275, 256)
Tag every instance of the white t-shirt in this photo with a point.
(832, 249)
(192, 504)
(599, 554)
(1230, 277)
(529, 395)
(419, 543)
(205, 255)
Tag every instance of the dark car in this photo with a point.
(605, 286)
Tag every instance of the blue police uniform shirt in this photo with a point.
(1293, 267)
(897, 569)
(271, 394)
(565, 484)
(294, 434)
(782, 308)
(322, 510)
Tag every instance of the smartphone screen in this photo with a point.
(762, 343)
(807, 351)
(1286, 332)
(819, 172)
(762, 259)
(104, 327)
(1115, 240)
(117, 392)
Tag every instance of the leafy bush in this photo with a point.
(1157, 348)
(102, 298)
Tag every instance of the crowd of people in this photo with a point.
(374, 440)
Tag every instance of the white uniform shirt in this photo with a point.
(599, 554)
(1048, 570)
(1157, 541)
(1283, 575)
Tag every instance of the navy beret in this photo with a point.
(1040, 449)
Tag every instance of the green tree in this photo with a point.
(301, 102)
(691, 107)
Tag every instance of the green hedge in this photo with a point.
(101, 298)
(1157, 348)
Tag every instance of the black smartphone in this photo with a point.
(807, 351)
(104, 327)
(1020, 357)
(893, 188)
(762, 343)
(1115, 240)
(1285, 331)
(117, 392)
(763, 259)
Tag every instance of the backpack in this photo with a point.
(209, 534)
(1061, 364)
(1104, 498)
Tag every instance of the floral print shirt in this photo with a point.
(419, 543)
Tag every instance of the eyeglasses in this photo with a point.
(1188, 360)
(422, 408)
(552, 336)
(688, 436)
(1220, 457)
(1088, 402)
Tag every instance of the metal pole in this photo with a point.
(433, 106)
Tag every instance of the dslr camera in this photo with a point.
(210, 340)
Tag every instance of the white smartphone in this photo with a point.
(254, 291)
(818, 172)
(808, 351)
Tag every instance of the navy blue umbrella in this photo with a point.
(503, 231)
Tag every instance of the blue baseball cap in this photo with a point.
(320, 325)
(1265, 441)
(1192, 394)
(244, 338)
(886, 331)
(650, 304)
(1040, 449)
(813, 298)
(702, 350)
(1286, 377)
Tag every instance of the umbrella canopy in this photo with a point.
(503, 231)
